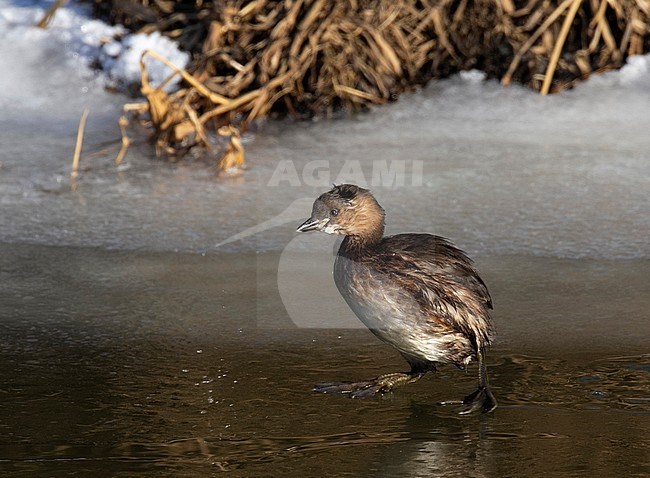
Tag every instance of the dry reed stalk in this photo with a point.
(49, 14)
(552, 64)
(74, 171)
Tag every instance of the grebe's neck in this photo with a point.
(367, 227)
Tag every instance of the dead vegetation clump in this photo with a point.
(314, 57)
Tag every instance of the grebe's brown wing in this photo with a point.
(438, 257)
(441, 278)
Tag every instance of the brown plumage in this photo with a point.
(416, 292)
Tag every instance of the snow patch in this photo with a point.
(86, 43)
(121, 60)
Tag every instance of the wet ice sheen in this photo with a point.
(101, 374)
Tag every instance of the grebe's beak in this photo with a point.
(310, 224)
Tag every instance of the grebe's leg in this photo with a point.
(482, 398)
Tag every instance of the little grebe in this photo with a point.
(416, 292)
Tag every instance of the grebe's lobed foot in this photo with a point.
(351, 389)
(481, 399)
(369, 388)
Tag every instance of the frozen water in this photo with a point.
(499, 170)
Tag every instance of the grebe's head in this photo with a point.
(349, 210)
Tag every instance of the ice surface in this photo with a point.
(499, 170)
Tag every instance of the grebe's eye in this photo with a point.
(334, 212)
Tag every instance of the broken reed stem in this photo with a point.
(123, 122)
(242, 100)
(77, 150)
(559, 44)
(47, 18)
(213, 97)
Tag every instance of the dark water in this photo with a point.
(160, 364)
